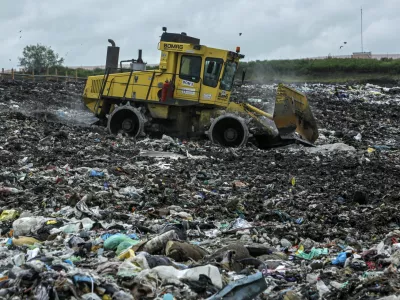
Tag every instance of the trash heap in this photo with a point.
(88, 215)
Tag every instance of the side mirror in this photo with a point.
(210, 67)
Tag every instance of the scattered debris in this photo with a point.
(87, 215)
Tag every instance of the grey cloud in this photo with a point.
(271, 29)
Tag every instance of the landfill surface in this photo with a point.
(88, 215)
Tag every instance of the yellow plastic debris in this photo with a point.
(9, 215)
(301, 249)
(370, 150)
(128, 253)
(293, 181)
(51, 222)
(106, 297)
(24, 241)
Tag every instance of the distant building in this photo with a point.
(365, 55)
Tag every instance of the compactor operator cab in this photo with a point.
(203, 74)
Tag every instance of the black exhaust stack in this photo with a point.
(112, 57)
(140, 60)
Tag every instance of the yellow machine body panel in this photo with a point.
(158, 111)
(197, 76)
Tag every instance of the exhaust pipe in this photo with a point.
(111, 42)
(112, 57)
(140, 60)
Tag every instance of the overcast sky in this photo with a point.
(271, 29)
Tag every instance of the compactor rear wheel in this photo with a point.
(126, 119)
(229, 131)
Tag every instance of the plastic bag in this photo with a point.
(81, 209)
(181, 214)
(33, 253)
(94, 173)
(24, 240)
(131, 192)
(23, 226)
(113, 242)
(69, 228)
(128, 254)
(322, 288)
(248, 287)
(19, 259)
(239, 223)
(87, 223)
(125, 245)
(315, 252)
(340, 259)
(127, 269)
(9, 215)
(171, 274)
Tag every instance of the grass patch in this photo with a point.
(322, 70)
(332, 78)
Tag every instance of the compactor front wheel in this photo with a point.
(126, 119)
(229, 131)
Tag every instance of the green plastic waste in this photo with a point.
(113, 241)
(315, 252)
(125, 245)
(119, 242)
(75, 259)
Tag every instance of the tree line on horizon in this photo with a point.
(42, 59)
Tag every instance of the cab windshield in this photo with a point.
(229, 75)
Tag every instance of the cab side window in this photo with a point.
(190, 68)
(212, 70)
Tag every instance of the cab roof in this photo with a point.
(179, 38)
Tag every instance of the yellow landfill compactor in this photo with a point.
(189, 96)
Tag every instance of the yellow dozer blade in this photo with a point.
(291, 114)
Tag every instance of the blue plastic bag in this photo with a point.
(95, 173)
(340, 259)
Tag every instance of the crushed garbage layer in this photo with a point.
(49, 101)
(88, 215)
